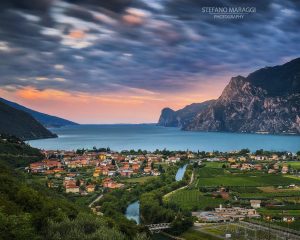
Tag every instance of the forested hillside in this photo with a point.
(29, 210)
(21, 124)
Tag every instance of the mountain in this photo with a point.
(45, 119)
(21, 124)
(182, 117)
(266, 101)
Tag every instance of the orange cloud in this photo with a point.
(78, 34)
(34, 94)
(126, 106)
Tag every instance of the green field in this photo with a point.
(294, 165)
(214, 164)
(139, 180)
(246, 180)
(279, 213)
(196, 235)
(194, 200)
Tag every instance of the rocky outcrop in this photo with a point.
(267, 101)
(182, 117)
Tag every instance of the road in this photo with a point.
(191, 181)
(97, 199)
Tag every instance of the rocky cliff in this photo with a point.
(182, 117)
(266, 101)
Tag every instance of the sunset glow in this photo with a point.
(122, 62)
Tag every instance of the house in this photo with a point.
(135, 166)
(255, 203)
(147, 170)
(246, 166)
(235, 166)
(270, 171)
(173, 159)
(155, 173)
(276, 166)
(109, 183)
(258, 167)
(284, 169)
(126, 172)
(37, 167)
(90, 188)
(72, 188)
(102, 156)
(260, 158)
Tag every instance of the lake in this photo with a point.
(150, 137)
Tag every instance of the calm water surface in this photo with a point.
(151, 137)
(133, 212)
(180, 173)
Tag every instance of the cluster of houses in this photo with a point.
(105, 166)
(249, 157)
(271, 168)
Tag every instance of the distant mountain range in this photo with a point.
(266, 101)
(21, 124)
(45, 119)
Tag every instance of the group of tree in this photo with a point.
(29, 210)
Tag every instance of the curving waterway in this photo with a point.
(133, 209)
(133, 212)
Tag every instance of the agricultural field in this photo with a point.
(197, 235)
(139, 180)
(193, 199)
(294, 164)
(214, 164)
(214, 177)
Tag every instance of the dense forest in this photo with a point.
(29, 210)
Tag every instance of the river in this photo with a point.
(133, 209)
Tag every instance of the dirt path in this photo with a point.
(97, 199)
(191, 181)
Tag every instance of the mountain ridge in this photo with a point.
(181, 117)
(45, 119)
(266, 101)
(18, 123)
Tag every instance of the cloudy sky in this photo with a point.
(122, 61)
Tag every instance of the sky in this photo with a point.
(122, 61)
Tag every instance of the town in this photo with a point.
(220, 188)
(83, 171)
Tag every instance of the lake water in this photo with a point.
(151, 137)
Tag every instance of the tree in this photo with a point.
(77, 182)
(16, 227)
